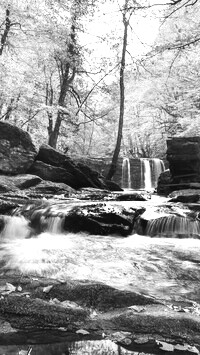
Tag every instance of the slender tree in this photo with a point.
(67, 70)
(126, 14)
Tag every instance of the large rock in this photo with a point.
(17, 182)
(55, 158)
(52, 173)
(17, 152)
(183, 154)
(164, 183)
(97, 218)
(45, 188)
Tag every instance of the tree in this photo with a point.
(126, 15)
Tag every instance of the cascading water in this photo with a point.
(157, 167)
(165, 268)
(126, 174)
(171, 226)
(141, 173)
(147, 174)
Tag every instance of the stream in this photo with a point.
(164, 268)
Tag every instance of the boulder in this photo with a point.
(97, 218)
(185, 196)
(164, 186)
(18, 182)
(55, 158)
(49, 188)
(25, 181)
(7, 184)
(113, 186)
(183, 154)
(52, 173)
(17, 152)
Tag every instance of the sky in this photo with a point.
(107, 21)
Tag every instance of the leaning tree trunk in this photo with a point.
(67, 78)
(122, 97)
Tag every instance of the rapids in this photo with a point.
(165, 268)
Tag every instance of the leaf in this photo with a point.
(186, 347)
(82, 331)
(47, 289)
(137, 308)
(165, 346)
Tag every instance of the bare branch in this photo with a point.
(96, 84)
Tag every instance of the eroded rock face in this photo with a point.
(52, 173)
(17, 182)
(17, 152)
(53, 157)
(183, 154)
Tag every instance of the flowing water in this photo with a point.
(105, 347)
(166, 268)
(126, 174)
(147, 173)
(162, 267)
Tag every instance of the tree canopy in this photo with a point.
(60, 69)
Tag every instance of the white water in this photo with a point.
(147, 174)
(157, 168)
(162, 267)
(126, 174)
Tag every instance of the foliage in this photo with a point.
(161, 78)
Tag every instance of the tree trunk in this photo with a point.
(53, 136)
(121, 114)
(5, 32)
(67, 78)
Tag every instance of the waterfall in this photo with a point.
(171, 226)
(147, 173)
(126, 174)
(15, 228)
(157, 168)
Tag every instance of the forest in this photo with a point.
(88, 76)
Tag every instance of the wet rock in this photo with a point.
(100, 219)
(17, 182)
(183, 155)
(7, 207)
(106, 195)
(169, 221)
(7, 184)
(113, 186)
(136, 321)
(164, 183)
(49, 188)
(191, 198)
(23, 312)
(17, 151)
(96, 295)
(55, 158)
(91, 193)
(185, 193)
(51, 173)
(25, 181)
(131, 196)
